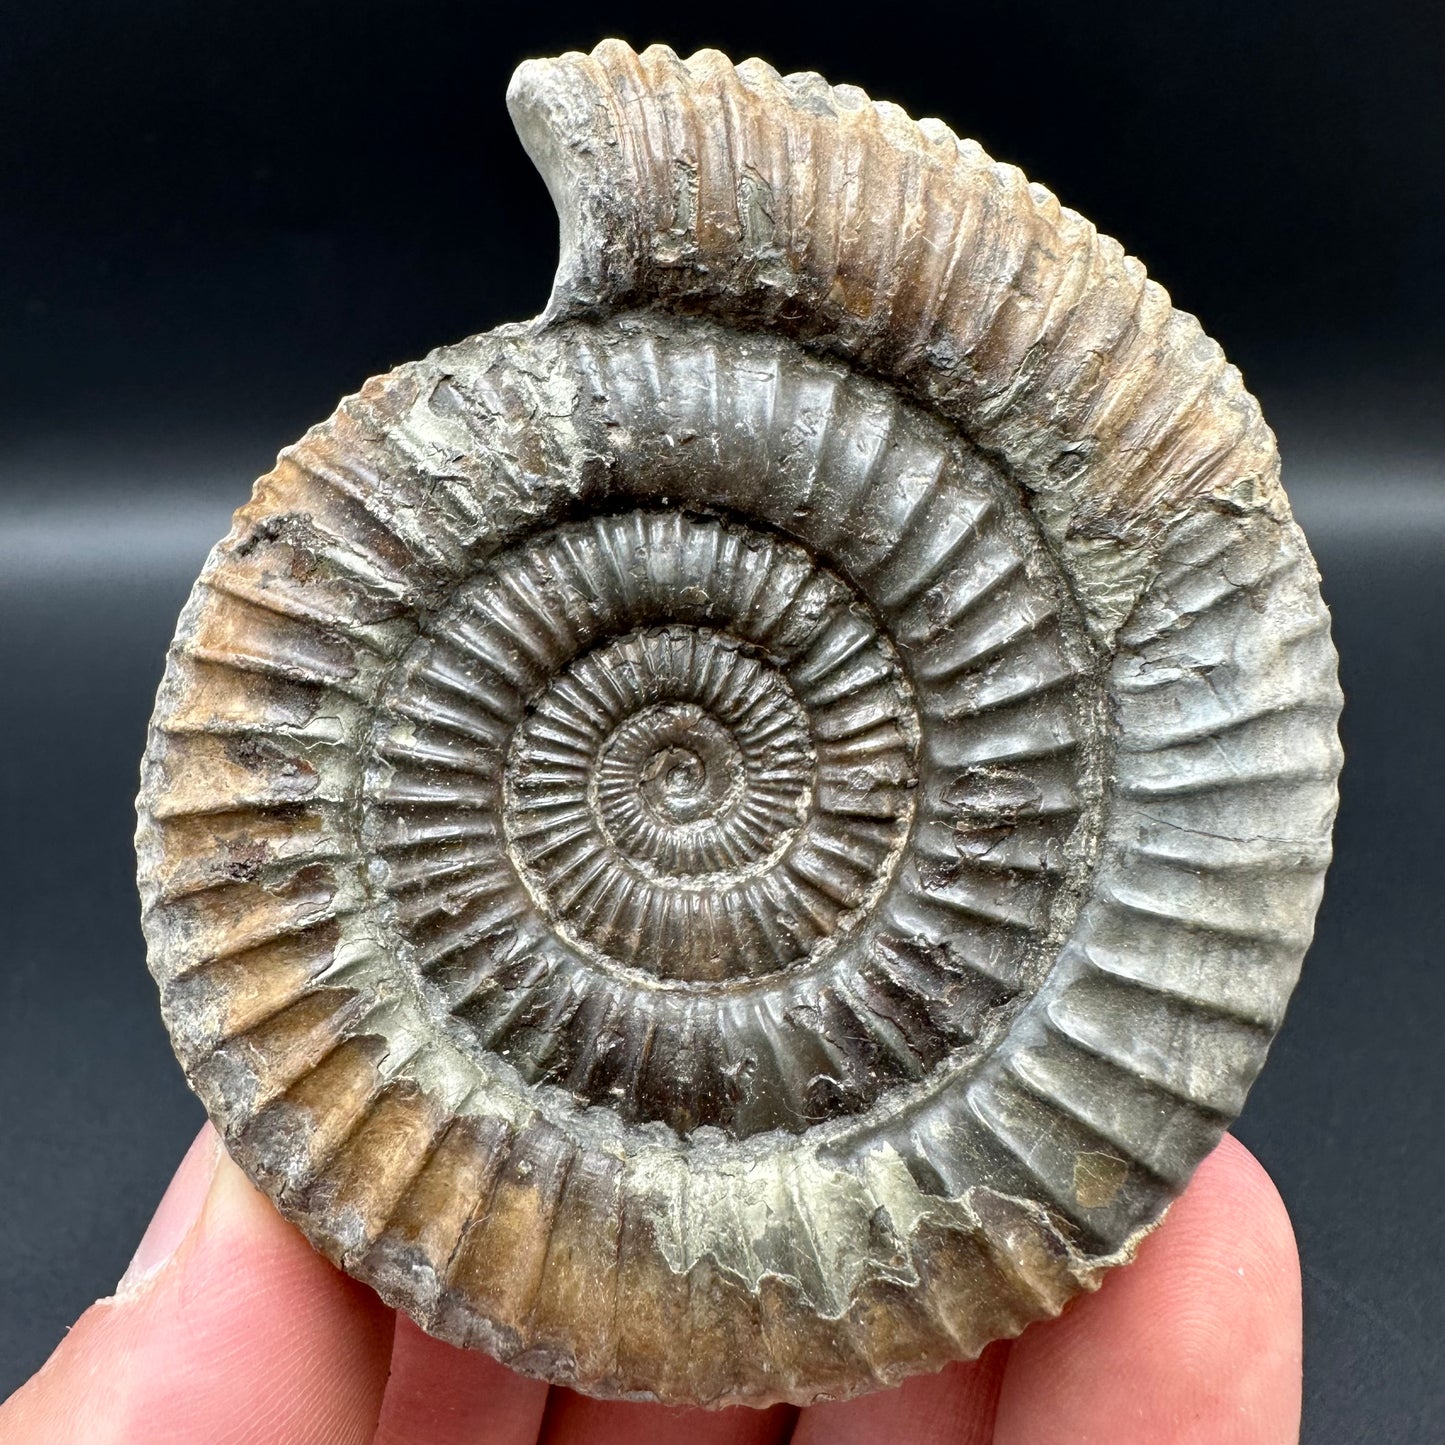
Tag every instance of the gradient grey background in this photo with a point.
(215, 219)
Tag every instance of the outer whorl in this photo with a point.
(740, 840)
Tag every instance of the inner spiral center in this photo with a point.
(684, 776)
(687, 767)
(701, 767)
(692, 769)
(702, 821)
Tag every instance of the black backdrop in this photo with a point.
(215, 219)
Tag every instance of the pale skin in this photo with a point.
(229, 1330)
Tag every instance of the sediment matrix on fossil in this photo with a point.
(741, 839)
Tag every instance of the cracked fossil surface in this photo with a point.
(740, 840)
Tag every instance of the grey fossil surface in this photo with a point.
(741, 839)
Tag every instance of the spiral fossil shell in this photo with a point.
(740, 840)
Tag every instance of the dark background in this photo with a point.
(216, 218)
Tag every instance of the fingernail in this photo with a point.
(178, 1210)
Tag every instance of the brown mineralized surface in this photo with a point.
(740, 840)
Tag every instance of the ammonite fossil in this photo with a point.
(740, 840)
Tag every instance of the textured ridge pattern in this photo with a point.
(741, 840)
(786, 202)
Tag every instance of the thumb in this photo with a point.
(227, 1328)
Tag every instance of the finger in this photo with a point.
(953, 1407)
(446, 1396)
(227, 1328)
(574, 1419)
(1196, 1343)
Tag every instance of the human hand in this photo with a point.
(229, 1330)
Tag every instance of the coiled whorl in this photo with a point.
(740, 840)
(781, 201)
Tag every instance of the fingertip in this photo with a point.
(443, 1395)
(1197, 1341)
(240, 1330)
(952, 1407)
(1232, 1185)
(574, 1419)
(1229, 1244)
(175, 1216)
